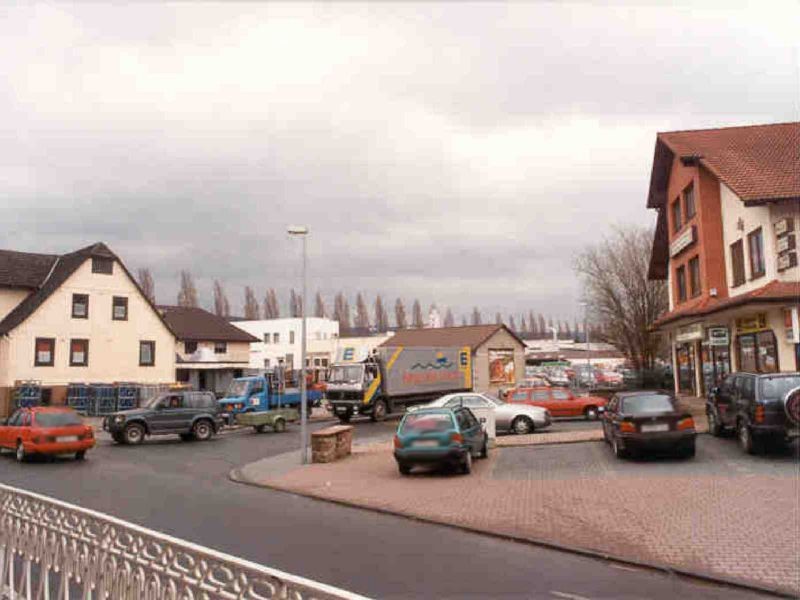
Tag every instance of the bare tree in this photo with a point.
(512, 325)
(498, 318)
(271, 308)
(463, 320)
(147, 285)
(416, 315)
(187, 296)
(523, 326)
(362, 312)
(222, 307)
(295, 304)
(319, 306)
(400, 319)
(543, 332)
(531, 323)
(623, 302)
(341, 313)
(381, 316)
(476, 316)
(449, 319)
(252, 311)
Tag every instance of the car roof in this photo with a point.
(47, 409)
(434, 409)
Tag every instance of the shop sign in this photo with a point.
(689, 333)
(784, 225)
(683, 241)
(718, 336)
(786, 243)
(791, 325)
(787, 261)
(752, 323)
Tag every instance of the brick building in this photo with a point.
(728, 203)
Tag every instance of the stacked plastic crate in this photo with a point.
(27, 393)
(78, 397)
(127, 396)
(102, 399)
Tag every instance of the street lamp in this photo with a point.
(302, 231)
(586, 331)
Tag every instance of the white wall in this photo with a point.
(113, 345)
(754, 217)
(321, 336)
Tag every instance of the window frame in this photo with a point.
(291, 337)
(677, 215)
(688, 194)
(695, 287)
(85, 362)
(680, 283)
(738, 276)
(114, 305)
(152, 345)
(187, 344)
(757, 233)
(220, 347)
(36, 361)
(97, 261)
(74, 303)
(276, 338)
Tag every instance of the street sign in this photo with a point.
(719, 336)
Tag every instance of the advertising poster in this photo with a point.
(501, 366)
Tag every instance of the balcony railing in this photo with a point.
(52, 549)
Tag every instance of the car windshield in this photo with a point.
(426, 422)
(57, 419)
(494, 399)
(236, 389)
(154, 400)
(647, 404)
(351, 374)
(775, 388)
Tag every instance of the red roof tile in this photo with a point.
(468, 335)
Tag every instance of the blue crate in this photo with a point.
(102, 399)
(78, 397)
(27, 395)
(127, 396)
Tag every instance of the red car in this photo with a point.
(561, 402)
(46, 430)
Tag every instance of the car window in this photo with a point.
(258, 387)
(560, 395)
(775, 388)
(612, 406)
(15, 419)
(57, 419)
(542, 395)
(519, 396)
(463, 420)
(655, 403)
(421, 423)
(455, 401)
(728, 385)
(473, 420)
(475, 402)
(172, 401)
(747, 388)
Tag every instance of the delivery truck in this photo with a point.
(390, 378)
(262, 393)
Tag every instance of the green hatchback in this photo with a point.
(449, 437)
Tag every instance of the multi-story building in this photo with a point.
(728, 203)
(77, 318)
(211, 352)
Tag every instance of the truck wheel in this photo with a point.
(279, 426)
(749, 443)
(133, 434)
(378, 411)
(345, 418)
(202, 430)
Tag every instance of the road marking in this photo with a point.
(568, 596)
(624, 568)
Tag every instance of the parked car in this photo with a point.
(191, 415)
(512, 418)
(609, 378)
(46, 430)
(648, 420)
(560, 402)
(441, 437)
(757, 407)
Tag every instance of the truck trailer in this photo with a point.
(391, 378)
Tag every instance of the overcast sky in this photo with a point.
(458, 153)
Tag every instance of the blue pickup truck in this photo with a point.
(261, 393)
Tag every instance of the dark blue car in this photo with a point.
(449, 437)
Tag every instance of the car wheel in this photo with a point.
(20, 454)
(345, 418)
(485, 449)
(134, 434)
(688, 451)
(590, 413)
(203, 430)
(186, 437)
(619, 452)
(522, 426)
(279, 426)
(80, 455)
(714, 427)
(378, 411)
(747, 441)
(259, 428)
(466, 466)
(404, 469)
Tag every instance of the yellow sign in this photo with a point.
(752, 323)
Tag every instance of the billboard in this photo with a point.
(501, 367)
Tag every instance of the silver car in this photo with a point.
(513, 418)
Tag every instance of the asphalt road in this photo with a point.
(182, 489)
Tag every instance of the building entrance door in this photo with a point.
(686, 368)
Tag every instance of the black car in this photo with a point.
(648, 420)
(191, 415)
(755, 407)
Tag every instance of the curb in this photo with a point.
(235, 475)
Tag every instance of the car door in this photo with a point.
(541, 397)
(7, 431)
(725, 401)
(745, 396)
(167, 414)
(478, 406)
(564, 404)
(470, 428)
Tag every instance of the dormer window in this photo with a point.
(102, 265)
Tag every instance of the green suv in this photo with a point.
(191, 415)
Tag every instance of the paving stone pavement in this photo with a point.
(723, 513)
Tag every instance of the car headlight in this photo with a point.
(119, 419)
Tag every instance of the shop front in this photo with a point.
(756, 345)
(687, 340)
(716, 355)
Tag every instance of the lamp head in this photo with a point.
(297, 230)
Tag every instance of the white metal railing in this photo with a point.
(51, 549)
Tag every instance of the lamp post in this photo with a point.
(586, 331)
(302, 231)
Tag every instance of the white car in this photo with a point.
(513, 418)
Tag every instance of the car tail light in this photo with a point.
(687, 423)
(627, 427)
(759, 414)
(398, 442)
(456, 438)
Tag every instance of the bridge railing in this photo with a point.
(52, 549)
